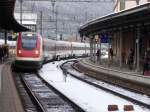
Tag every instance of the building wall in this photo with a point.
(116, 6)
(127, 44)
(143, 1)
(128, 4)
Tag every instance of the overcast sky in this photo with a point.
(70, 16)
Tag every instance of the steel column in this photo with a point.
(99, 50)
(120, 55)
(94, 49)
(5, 37)
(138, 48)
(90, 48)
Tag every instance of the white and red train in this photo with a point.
(29, 51)
(32, 50)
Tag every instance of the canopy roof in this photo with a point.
(127, 18)
(7, 20)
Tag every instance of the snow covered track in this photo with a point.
(27, 102)
(144, 100)
(86, 96)
(45, 97)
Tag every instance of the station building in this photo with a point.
(127, 28)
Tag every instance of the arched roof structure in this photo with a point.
(7, 20)
(125, 19)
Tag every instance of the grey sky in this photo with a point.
(70, 15)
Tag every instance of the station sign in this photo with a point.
(104, 38)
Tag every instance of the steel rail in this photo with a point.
(33, 97)
(104, 88)
(77, 107)
(40, 101)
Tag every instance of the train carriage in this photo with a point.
(65, 49)
(32, 50)
(29, 51)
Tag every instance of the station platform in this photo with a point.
(123, 73)
(9, 97)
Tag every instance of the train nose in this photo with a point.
(36, 53)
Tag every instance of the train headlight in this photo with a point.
(36, 52)
(19, 51)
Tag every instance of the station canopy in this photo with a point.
(7, 20)
(125, 19)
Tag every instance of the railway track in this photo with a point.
(27, 102)
(118, 81)
(44, 98)
(89, 80)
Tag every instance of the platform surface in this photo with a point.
(116, 71)
(9, 98)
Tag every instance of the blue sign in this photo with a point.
(104, 38)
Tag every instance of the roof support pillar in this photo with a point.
(120, 54)
(91, 47)
(94, 49)
(100, 50)
(5, 33)
(138, 48)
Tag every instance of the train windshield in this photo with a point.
(29, 41)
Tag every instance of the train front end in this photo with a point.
(29, 54)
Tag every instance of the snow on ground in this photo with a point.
(91, 99)
(141, 97)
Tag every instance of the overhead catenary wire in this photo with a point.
(64, 17)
